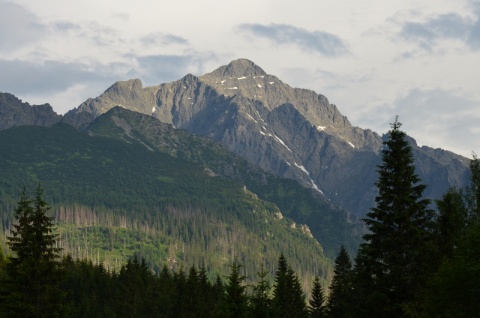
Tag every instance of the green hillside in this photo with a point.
(328, 224)
(113, 198)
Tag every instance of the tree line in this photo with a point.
(414, 262)
(35, 282)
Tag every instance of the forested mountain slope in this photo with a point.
(113, 198)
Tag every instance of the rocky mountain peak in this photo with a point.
(237, 68)
(128, 94)
(14, 112)
(122, 87)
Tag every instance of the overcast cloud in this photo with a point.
(48, 77)
(18, 27)
(373, 59)
(156, 69)
(433, 116)
(312, 41)
(448, 26)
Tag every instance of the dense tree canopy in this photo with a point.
(411, 265)
(454, 289)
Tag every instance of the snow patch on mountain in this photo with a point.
(248, 115)
(301, 167)
(281, 141)
(315, 187)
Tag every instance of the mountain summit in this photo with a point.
(238, 69)
(289, 132)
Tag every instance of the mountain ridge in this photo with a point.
(289, 132)
(14, 112)
(304, 206)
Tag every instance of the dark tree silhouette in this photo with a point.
(32, 285)
(340, 299)
(394, 260)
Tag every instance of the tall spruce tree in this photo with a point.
(235, 297)
(32, 285)
(316, 306)
(288, 297)
(340, 298)
(260, 302)
(394, 260)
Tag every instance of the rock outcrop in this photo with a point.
(14, 112)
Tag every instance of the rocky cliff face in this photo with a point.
(290, 132)
(13, 112)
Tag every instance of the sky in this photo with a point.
(373, 59)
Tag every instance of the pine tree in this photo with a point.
(235, 298)
(316, 307)
(32, 286)
(288, 297)
(340, 298)
(394, 260)
(451, 222)
(260, 300)
(206, 301)
(218, 297)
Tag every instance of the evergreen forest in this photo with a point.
(415, 261)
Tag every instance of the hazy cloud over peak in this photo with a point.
(156, 69)
(315, 41)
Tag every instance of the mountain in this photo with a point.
(113, 194)
(13, 112)
(231, 163)
(328, 224)
(289, 132)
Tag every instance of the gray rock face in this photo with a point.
(290, 132)
(13, 112)
(128, 94)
